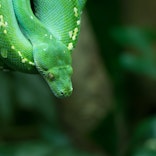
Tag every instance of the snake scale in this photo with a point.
(38, 36)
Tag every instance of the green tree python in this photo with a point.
(38, 36)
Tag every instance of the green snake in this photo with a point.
(38, 36)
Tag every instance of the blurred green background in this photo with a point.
(112, 111)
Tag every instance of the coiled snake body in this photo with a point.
(40, 40)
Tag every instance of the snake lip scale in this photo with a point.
(41, 39)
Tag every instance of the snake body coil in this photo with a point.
(40, 41)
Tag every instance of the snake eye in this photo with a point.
(50, 77)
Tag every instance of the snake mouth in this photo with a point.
(63, 93)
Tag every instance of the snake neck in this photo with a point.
(32, 28)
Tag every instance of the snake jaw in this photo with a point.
(59, 80)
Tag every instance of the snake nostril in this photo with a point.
(66, 92)
(62, 93)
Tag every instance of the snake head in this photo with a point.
(53, 61)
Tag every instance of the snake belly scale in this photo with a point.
(40, 40)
